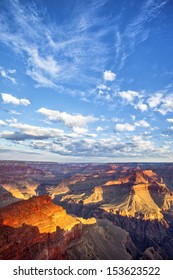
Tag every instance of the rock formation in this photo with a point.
(130, 200)
(38, 229)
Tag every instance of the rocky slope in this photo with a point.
(38, 229)
(137, 201)
(137, 193)
(6, 198)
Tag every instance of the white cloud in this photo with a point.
(124, 127)
(104, 96)
(99, 128)
(5, 74)
(108, 75)
(142, 123)
(13, 112)
(40, 78)
(128, 95)
(12, 71)
(10, 99)
(36, 130)
(166, 105)
(170, 120)
(2, 123)
(115, 120)
(137, 31)
(102, 87)
(12, 120)
(143, 145)
(54, 55)
(155, 100)
(141, 106)
(135, 147)
(80, 130)
(42, 69)
(76, 120)
(31, 132)
(47, 64)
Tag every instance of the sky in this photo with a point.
(86, 80)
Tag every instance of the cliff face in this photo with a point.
(38, 229)
(107, 242)
(6, 198)
(39, 212)
(139, 194)
(137, 201)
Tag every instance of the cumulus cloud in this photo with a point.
(142, 123)
(135, 147)
(80, 130)
(99, 128)
(141, 106)
(155, 100)
(73, 121)
(10, 99)
(30, 132)
(124, 127)
(143, 144)
(56, 141)
(108, 75)
(166, 105)
(128, 95)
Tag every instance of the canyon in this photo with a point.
(86, 211)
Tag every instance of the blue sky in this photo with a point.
(86, 80)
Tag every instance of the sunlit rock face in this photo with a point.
(39, 212)
(38, 229)
(139, 194)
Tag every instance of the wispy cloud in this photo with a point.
(54, 55)
(2, 123)
(7, 74)
(137, 30)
